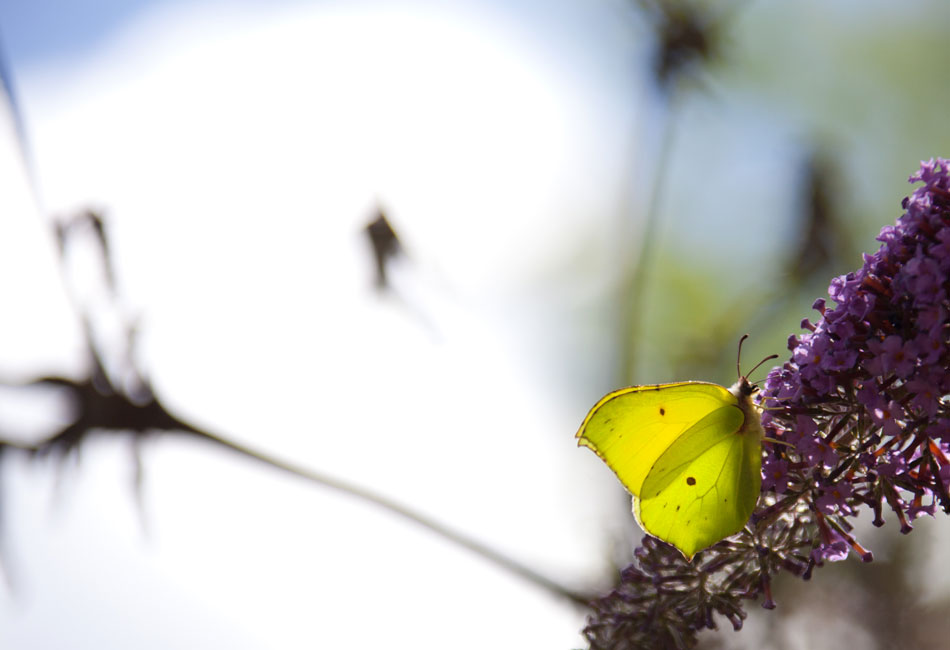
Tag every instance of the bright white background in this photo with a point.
(237, 152)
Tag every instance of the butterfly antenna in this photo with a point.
(768, 358)
(739, 355)
(739, 359)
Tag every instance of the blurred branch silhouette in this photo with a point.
(119, 401)
(687, 39)
(823, 243)
(686, 42)
(19, 127)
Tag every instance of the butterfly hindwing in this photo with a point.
(697, 450)
(704, 486)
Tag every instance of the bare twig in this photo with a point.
(103, 410)
(110, 405)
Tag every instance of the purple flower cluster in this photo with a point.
(858, 408)
(856, 417)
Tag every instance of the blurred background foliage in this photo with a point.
(771, 142)
(835, 102)
(826, 106)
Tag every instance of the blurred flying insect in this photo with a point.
(386, 246)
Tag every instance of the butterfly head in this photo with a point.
(744, 387)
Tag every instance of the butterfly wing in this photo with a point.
(683, 452)
(632, 427)
(704, 487)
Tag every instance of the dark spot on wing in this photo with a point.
(662, 411)
(677, 508)
(690, 480)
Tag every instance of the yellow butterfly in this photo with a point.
(689, 453)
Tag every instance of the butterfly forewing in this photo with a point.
(630, 429)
